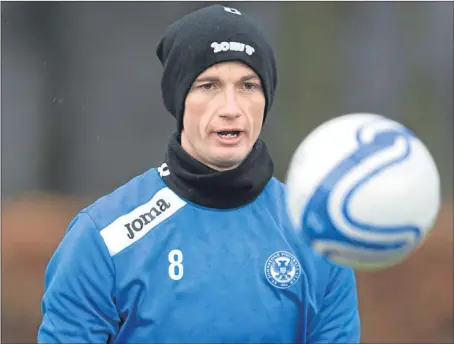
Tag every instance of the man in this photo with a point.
(200, 249)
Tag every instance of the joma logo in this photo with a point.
(137, 224)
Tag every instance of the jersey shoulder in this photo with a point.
(273, 198)
(276, 192)
(131, 211)
(127, 197)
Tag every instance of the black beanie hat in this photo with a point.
(205, 37)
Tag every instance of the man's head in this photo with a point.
(226, 46)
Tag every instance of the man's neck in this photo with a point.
(206, 186)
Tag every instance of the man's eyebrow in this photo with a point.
(207, 78)
(249, 77)
(216, 79)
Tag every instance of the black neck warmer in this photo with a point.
(202, 185)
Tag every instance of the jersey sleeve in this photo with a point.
(78, 305)
(338, 318)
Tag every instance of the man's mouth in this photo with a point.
(229, 133)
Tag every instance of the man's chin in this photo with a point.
(224, 163)
(227, 158)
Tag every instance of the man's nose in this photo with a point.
(230, 107)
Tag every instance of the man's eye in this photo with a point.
(251, 86)
(208, 86)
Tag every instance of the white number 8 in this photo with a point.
(176, 268)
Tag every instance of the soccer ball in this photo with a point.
(363, 191)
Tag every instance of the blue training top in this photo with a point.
(143, 265)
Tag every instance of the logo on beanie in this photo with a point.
(232, 46)
(232, 10)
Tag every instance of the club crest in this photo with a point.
(282, 269)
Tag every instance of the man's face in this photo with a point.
(223, 115)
